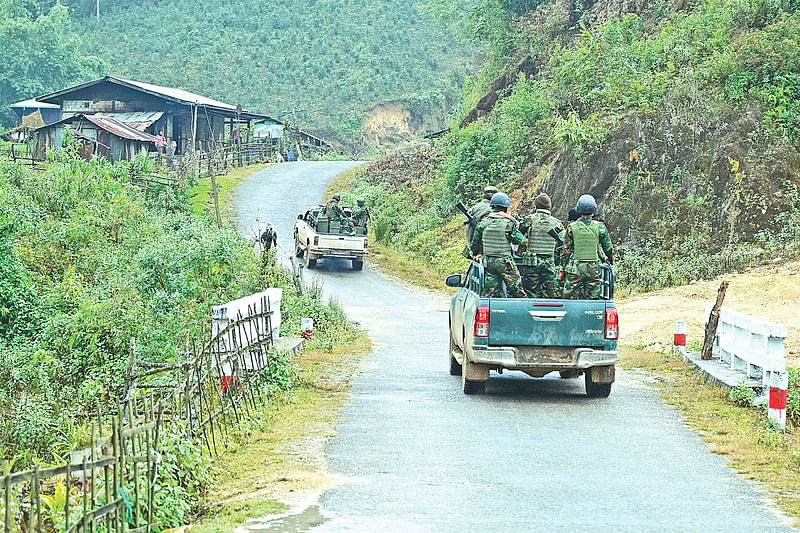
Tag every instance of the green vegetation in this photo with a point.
(38, 53)
(88, 262)
(335, 59)
(681, 120)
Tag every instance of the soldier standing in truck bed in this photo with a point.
(538, 264)
(492, 244)
(583, 240)
(478, 212)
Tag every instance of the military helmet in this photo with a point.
(573, 215)
(489, 189)
(586, 205)
(542, 202)
(361, 202)
(500, 199)
(337, 197)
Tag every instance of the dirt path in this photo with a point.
(771, 293)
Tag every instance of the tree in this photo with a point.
(39, 55)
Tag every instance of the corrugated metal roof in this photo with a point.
(109, 124)
(140, 121)
(34, 104)
(115, 127)
(177, 94)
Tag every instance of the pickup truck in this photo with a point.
(535, 335)
(316, 237)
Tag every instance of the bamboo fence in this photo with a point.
(111, 485)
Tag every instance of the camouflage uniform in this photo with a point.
(493, 238)
(479, 212)
(360, 216)
(334, 212)
(538, 265)
(584, 239)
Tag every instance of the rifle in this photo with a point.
(471, 220)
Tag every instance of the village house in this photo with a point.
(117, 118)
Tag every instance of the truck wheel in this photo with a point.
(469, 386)
(455, 366)
(298, 250)
(310, 263)
(358, 265)
(569, 374)
(596, 390)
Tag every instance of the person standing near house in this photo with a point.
(161, 142)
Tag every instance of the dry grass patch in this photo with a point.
(755, 449)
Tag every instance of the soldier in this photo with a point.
(478, 212)
(334, 212)
(538, 265)
(361, 215)
(564, 259)
(493, 238)
(269, 237)
(583, 240)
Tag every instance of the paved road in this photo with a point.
(529, 455)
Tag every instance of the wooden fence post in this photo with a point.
(713, 322)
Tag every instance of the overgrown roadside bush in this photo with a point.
(88, 262)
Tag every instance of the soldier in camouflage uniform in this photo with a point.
(564, 259)
(583, 240)
(492, 243)
(478, 212)
(361, 214)
(538, 265)
(334, 212)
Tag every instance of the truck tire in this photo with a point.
(358, 265)
(469, 386)
(298, 250)
(569, 374)
(596, 390)
(310, 263)
(455, 366)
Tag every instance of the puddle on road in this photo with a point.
(294, 523)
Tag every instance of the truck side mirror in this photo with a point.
(454, 281)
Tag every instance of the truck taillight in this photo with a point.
(366, 244)
(612, 324)
(316, 240)
(482, 321)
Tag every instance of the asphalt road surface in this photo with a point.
(529, 455)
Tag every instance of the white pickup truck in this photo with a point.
(316, 237)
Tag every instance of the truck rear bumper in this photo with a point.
(320, 253)
(514, 358)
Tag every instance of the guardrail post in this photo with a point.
(679, 338)
(778, 396)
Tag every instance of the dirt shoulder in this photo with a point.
(770, 293)
(280, 464)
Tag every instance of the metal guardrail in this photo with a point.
(750, 345)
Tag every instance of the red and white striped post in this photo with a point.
(307, 328)
(778, 395)
(679, 339)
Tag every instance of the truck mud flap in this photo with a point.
(603, 374)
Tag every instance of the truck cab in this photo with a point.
(316, 237)
(537, 336)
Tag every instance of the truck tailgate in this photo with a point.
(540, 322)
(341, 242)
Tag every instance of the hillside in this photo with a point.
(683, 119)
(341, 61)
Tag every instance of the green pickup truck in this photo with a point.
(535, 335)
